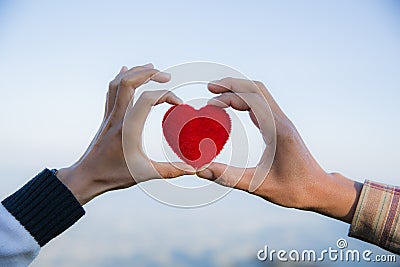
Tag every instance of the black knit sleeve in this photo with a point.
(44, 206)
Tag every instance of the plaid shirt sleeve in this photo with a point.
(376, 219)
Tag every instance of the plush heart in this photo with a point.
(196, 136)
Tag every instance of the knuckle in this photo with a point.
(248, 97)
(113, 120)
(168, 174)
(112, 84)
(165, 93)
(115, 123)
(229, 182)
(259, 84)
(124, 82)
(147, 96)
(137, 68)
(147, 73)
(112, 90)
(257, 98)
(228, 79)
(118, 130)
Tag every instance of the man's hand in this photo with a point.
(103, 167)
(295, 178)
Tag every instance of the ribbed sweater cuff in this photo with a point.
(44, 206)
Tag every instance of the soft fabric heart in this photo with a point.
(196, 136)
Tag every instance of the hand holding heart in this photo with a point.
(103, 166)
(288, 181)
(295, 178)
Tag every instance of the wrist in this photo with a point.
(78, 182)
(337, 197)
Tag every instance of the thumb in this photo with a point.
(172, 170)
(228, 176)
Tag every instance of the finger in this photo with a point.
(261, 116)
(256, 105)
(136, 116)
(254, 119)
(138, 68)
(112, 92)
(161, 77)
(243, 86)
(228, 176)
(266, 124)
(174, 169)
(129, 83)
(232, 85)
(229, 100)
(123, 70)
(113, 86)
(235, 101)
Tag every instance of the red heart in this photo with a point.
(196, 136)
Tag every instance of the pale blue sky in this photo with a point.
(333, 66)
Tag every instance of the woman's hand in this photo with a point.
(103, 166)
(291, 177)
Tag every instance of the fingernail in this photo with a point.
(190, 170)
(165, 75)
(216, 102)
(149, 65)
(123, 69)
(214, 81)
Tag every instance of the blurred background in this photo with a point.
(333, 66)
